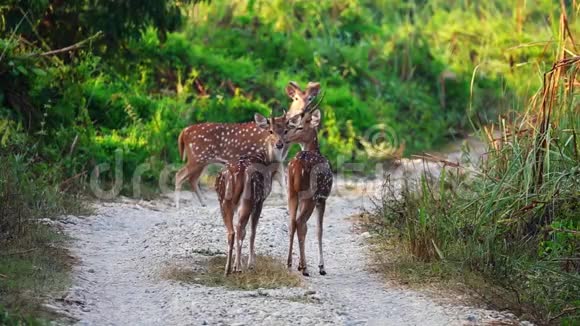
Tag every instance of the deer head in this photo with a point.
(276, 143)
(301, 99)
(302, 129)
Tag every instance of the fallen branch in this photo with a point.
(201, 90)
(574, 232)
(433, 158)
(564, 312)
(18, 252)
(68, 48)
(67, 181)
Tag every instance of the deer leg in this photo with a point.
(228, 216)
(180, 177)
(320, 207)
(281, 177)
(244, 212)
(306, 208)
(255, 218)
(292, 208)
(194, 182)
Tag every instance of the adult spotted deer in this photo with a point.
(205, 143)
(309, 185)
(244, 184)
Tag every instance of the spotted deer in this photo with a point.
(205, 143)
(309, 185)
(244, 184)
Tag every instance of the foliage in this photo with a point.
(31, 259)
(139, 84)
(55, 23)
(517, 222)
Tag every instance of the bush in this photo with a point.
(405, 67)
(517, 222)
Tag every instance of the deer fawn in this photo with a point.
(244, 184)
(309, 185)
(206, 143)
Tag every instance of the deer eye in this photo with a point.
(271, 131)
(285, 132)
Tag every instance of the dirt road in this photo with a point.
(124, 248)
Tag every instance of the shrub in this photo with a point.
(515, 222)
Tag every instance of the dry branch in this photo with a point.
(68, 48)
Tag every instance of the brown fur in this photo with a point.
(206, 143)
(309, 185)
(243, 185)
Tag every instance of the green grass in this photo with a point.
(512, 228)
(34, 264)
(445, 280)
(9, 319)
(268, 274)
(32, 268)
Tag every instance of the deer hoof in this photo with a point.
(303, 270)
(321, 270)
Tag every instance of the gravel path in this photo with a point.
(124, 248)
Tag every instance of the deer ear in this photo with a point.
(292, 89)
(294, 122)
(315, 119)
(312, 90)
(261, 121)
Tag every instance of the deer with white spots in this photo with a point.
(309, 185)
(244, 184)
(205, 143)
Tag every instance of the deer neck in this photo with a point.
(274, 156)
(312, 145)
(297, 107)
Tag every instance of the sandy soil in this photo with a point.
(124, 248)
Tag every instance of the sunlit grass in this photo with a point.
(268, 274)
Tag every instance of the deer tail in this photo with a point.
(181, 145)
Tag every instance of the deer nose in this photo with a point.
(279, 145)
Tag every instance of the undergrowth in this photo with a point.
(397, 76)
(33, 262)
(514, 224)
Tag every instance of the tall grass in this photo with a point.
(33, 260)
(516, 222)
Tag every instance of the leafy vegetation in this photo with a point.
(142, 76)
(516, 223)
(32, 261)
